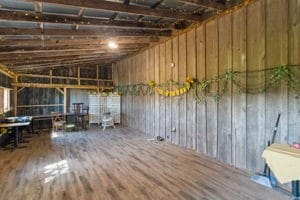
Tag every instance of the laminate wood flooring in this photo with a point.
(118, 164)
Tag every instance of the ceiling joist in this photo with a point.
(24, 68)
(94, 32)
(53, 42)
(75, 20)
(214, 4)
(55, 59)
(63, 60)
(51, 34)
(69, 47)
(124, 8)
(43, 53)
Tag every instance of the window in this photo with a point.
(4, 100)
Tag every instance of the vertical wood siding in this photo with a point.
(236, 128)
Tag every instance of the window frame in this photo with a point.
(6, 100)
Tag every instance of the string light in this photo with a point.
(112, 45)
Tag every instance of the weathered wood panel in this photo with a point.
(151, 98)
(78, 96)
(276, 54)
(134, 116)
(294, 58)
(5, 81)
(255, 103)
(224, 107)
(175, 101)
(191, 104)
(130, 97)
(157, 97)
(239, 123)
(211, 72)
(181, 78)
(1, 100)
(147, 98)
(124, 98)
(201, 75)
(235, 128)
(119, 69)
(162, 100)
(142, 98)
(39, 96)
(168, 100)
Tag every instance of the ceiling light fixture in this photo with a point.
(112, 45)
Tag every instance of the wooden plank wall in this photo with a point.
(5, 81)
(78, 96)
(236, 128)
(39, 96)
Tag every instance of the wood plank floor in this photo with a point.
(118, 164)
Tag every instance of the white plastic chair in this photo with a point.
(58, 121)
(107, 120)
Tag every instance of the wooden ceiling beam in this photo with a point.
(71, 20)
(38, 7)
(43, 85)
(126, 2)
(25, 57)
(113, 17)
(59, 51)
(11, 62)
(59, 65)
(66, 47)
(81, 12)
(51, 42)
(53, 59)
(157, 3)
(213, 4)
(65, 32)
(4, 70)
(48, 67)
(74, 37)
(120, 7)
(34, 54)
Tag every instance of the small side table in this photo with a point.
(279, 158)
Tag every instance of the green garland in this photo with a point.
(251, 82)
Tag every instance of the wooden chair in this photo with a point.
(58, 121)
(107, 120)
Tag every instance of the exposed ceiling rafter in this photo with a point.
(96, 32)
(72, 20)
(119, 7)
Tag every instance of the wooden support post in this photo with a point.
(112, 73)
(19, 90)
(15, 101)
(97, 77)
(78, 75)
(44, 85)
(50, 73)
(65, 100)
(4, 70)
(61, 91)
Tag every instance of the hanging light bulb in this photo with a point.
(112, 45)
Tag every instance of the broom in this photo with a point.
(265, 178)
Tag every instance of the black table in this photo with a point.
(16, 132)
(45, 117)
